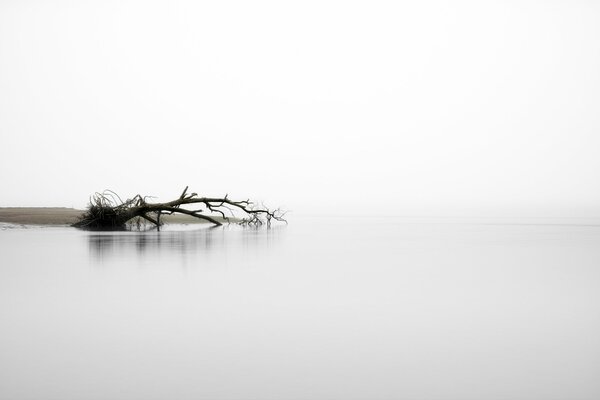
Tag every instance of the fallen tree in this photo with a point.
(107, 211)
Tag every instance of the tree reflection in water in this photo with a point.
(178, 240)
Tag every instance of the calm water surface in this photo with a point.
(320, 309)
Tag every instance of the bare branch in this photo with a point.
(108, 211)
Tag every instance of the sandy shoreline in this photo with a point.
(64, 216)
(39, 215)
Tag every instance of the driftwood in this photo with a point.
(107, 211)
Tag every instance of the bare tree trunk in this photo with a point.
(107, 210)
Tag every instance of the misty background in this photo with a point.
(346, 107)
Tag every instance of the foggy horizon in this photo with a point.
(433, 108)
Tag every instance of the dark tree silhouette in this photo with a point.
(107, 211)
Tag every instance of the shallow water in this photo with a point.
(320, 309)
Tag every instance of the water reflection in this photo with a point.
(179, 240)
(322, 309)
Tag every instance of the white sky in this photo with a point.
(406, 107)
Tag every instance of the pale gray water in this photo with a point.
(320, 309)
